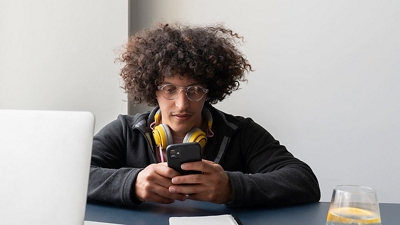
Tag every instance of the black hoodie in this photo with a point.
(262, 172)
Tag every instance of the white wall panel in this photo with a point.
(59, 55)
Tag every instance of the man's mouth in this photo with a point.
(182, 116)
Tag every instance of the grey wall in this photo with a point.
(326, 80)
(59, 55)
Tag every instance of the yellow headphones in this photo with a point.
(163, 137)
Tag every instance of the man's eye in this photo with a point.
(193, 90)
(170, 89)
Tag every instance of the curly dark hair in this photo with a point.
(205, 54)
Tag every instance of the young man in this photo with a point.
(182, 71)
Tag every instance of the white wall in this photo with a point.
(59, 55)
(326, 80)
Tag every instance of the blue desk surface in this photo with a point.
(150, 213)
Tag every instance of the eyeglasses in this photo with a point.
(193, 93)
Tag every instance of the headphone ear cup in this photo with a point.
(196, 135)
(162, 136)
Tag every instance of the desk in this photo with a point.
(150, 213)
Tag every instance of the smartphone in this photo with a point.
(182, 153)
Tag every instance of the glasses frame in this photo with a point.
(161, 88)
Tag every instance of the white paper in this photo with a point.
(225, 219)
(98, 223)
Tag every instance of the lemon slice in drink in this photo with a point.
(350, 215)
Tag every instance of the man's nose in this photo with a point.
(182, 102)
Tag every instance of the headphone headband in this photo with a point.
(163, 136)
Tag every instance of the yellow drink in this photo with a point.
(352, 216)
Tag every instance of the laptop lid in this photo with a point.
(44, 166)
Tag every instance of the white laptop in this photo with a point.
(44, 166)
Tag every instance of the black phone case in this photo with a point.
(181, 153)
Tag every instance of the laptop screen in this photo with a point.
(44, 164)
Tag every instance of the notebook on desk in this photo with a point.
(44, 166)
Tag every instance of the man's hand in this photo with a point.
(213, 185)
(152, 184)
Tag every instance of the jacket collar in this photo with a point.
(224, 127)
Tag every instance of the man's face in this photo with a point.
(180, 114)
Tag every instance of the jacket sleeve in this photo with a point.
(271, 176)
(109, 180)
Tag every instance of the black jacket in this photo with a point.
(261, 171)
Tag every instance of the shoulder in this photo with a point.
(230, 124)
(233, 121)
(126, 123)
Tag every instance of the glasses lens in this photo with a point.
(169, 91)
(194, 93)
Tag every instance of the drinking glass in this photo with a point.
(353, 205)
